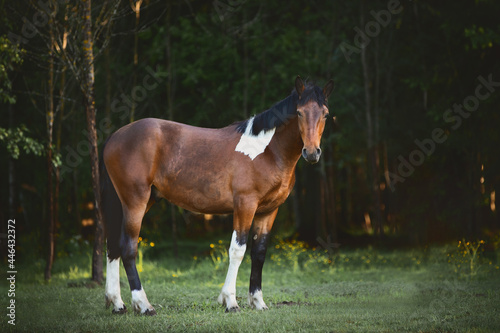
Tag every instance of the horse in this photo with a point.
(247, 169)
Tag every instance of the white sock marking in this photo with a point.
(254, 145)
(228, 293)
(140, 302)
(113, 284)
(256, 301)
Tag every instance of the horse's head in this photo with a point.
(312, 112)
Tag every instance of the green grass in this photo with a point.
(364, 290)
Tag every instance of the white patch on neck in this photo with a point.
(254, 145)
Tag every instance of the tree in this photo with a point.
(15, 139)
(87, 87)
(371, 133)
(80, 59)
(224, 61)
(50, 128)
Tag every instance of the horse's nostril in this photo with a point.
(318, 151)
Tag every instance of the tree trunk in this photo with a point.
(50, 209)
(50, 169)
(108, 86)
(12, 172)
(136, 7)
(372, 148)
(296, 206)
(331, 205)
(74, 198)
(88, 93)
(57, 171)
(310, 206)
(245, 66)
(169, 59)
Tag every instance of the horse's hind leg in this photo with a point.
(113, 295)
(130, 234)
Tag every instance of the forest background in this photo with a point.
(412, 158)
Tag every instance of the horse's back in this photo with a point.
(183, 162)
(145, 137)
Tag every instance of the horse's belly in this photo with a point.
(200, 196)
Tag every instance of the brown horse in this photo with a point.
(247, 168)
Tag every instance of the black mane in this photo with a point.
(280, 112)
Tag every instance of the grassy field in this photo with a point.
(307, 290)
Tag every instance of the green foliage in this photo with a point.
(467, 259)
(224, 65)
(289, 252)
(219, 254)
(16, 140)
(141, 249)
(10, 55)
(482, 38)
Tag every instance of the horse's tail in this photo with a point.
(111, 209)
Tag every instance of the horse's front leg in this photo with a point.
(260, 236)
(243, 216)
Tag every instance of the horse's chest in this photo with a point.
(277, 194)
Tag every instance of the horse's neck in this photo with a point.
(287, 144)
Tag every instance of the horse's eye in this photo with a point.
(326, 115)
(299, 114)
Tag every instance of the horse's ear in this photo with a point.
(299, 85)
(327, 90)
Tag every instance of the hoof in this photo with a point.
(120, 311)
(260, 308)
(233, 309)
(150, 312)
(256, 302)
(264, 308)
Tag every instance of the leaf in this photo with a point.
(16, 139)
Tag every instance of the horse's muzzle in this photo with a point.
(311, 157)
